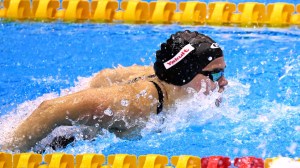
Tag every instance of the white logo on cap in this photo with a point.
(214, 45)
(179, 56)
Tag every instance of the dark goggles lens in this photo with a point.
(214, 75)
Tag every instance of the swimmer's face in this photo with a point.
(206, 81)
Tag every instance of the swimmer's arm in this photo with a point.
(109, 77)
(85, 107)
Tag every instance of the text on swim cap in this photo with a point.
(179, 56)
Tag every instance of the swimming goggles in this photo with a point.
(214, 75)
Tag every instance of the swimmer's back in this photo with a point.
(119, 75)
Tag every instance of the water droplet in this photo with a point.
(108, 112)
(124, 102)
(143, 93)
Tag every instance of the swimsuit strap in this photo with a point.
(159, 91)
(160, 97)
(141, 77)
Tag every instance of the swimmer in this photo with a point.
(122, 99)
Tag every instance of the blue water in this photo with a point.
(259, 115)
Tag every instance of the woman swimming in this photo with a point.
(121, 100)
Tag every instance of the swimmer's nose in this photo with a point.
(222, 82)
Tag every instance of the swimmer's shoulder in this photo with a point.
(134, 69)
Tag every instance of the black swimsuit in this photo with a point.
(160, 97)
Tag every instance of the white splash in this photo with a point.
(124, 102)
(108, 112)
(200, 109)
(10, 121)
(291, 67)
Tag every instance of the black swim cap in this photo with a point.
(183, 56)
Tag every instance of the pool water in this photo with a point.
(259, 115)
